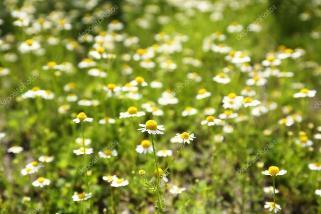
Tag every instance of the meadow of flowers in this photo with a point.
(160, 106)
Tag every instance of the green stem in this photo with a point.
(273, 193)
(159, 202)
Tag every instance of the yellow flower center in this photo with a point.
(34, 163)
(228, 112)
(304, 90)
(303, 138)
(108, 152)
(35, 89)
(111, 86)
(81, 195)
(231, 95)
(132, 110)
(139, 80)
(271, 58)
(100, 50)
(145, 144)
(29, 42)
(185, 135)
(248, 99)
(274, 170)
(159, 172)
(81, 116)
(141, 51)
(119, 180)
(210, 118)
(51, 64)
(41, 179)
(151, 125)
(202, 91)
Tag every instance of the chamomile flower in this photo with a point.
(222, 78)
(228, 114)
(83, 151)
(164, 153)
(202, 94)
(144, 147)
(270, 190)
(82, 117)
(271, 60)
(107, 153)
(31, 168)
(304, 92)
(41, 182)
(98, 53)
(250, 102)
(2, 135)
(87, 63)
(318, 192)
(131, 112)
(46, 159)
(304, 140)
(119, 182)
(274, 171)
(175, 190)
(4, 71)
(37, 92)
(189, 111)
(272, 207)
(167, 98)
(161, 174)
(212, 121)
(151, 127)
(15, 149)
(112, 89)
(29, 45)
(107, 120)
(315, 166)
(232, 101)
(81, 196)
(139, 81)
(183, 137)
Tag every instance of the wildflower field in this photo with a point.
(160, 106)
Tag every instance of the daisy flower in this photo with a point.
(272, 207)
(228, 114)
(318, 192)
(212, 121)
(82, 117)
(167, 98)
(119, 182)
(232, 101)
(270, 190)
(304, 92)
(31, 168)
(112, 89)
(83, 151)
(46, 159)
(15, 149)
(189, 111)
(184, 137)
(81, 196)
(41, 182)
(250, 102)
(222, 78)
(131, 112)
(202, 94)
(80, 141)
(106, 120)
(144, 147)
(160, 173)
(315, 166)
(274, 171)
(175, 190)
(139, 81)
(165, 153)
(151, 127)
(107, 153)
